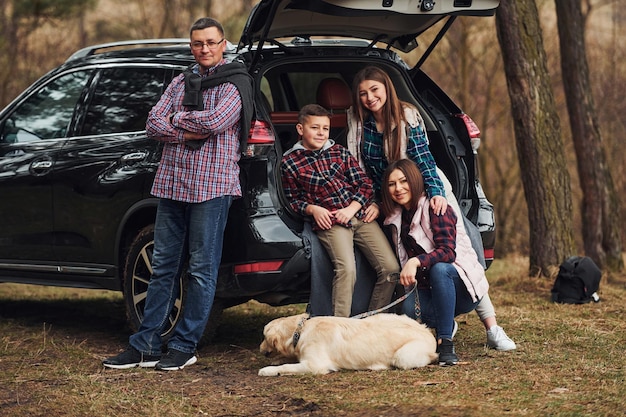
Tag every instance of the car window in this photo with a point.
(266, 94)
(46, 114)
(305, 86)
(122, 99)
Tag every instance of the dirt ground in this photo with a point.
(66, 340)
(568, 363)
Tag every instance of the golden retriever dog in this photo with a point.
(325, 344)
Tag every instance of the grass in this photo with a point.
(569, 362)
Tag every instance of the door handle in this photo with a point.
(135, 156)
(41, 165)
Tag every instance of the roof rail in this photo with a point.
(91, 50)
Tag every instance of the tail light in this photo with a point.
(472, 130)
(267, 266)
(259, 138)
(489, 254)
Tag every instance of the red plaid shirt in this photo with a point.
(189, 175)
(330, 178)
(444, 238)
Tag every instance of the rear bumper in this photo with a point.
(288, 285)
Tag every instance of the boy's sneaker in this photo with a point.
(174, 360)
(131, 358)
(454, 329)
(497, 339)
(447, 357)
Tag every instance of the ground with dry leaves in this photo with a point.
(569, 362)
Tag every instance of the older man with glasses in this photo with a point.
(202, 119)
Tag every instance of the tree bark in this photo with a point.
(545, 178)
(9, 47)
(600, 208)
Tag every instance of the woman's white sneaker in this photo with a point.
(497, 339)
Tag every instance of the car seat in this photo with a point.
(335, 95)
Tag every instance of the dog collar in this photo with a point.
(296, 334)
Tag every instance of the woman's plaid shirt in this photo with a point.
(417, 150)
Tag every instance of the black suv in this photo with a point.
(76, 166)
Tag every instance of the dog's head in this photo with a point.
(278, 337)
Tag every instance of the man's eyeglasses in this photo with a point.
(197, 45)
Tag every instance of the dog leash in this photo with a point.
(388, 306)
(392, 278)
(395, 277)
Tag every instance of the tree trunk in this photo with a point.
(9, 47)
(600, 207)
(545, 178)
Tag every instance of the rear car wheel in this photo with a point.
(137, 275)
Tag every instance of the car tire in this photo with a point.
(137, 272)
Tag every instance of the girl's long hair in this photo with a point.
(392, 110)
(414, 178)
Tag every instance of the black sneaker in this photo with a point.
(131, 358)
(447, 357)
(175, 360)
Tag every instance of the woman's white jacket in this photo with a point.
(466, 263)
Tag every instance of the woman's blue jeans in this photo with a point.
(446, 299)
(183, 231)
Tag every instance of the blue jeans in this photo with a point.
(446, 299)
(183, 231)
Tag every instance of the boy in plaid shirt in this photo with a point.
(323, 181)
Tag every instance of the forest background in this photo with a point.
(38, 35)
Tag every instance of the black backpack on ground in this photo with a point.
(577, 282)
